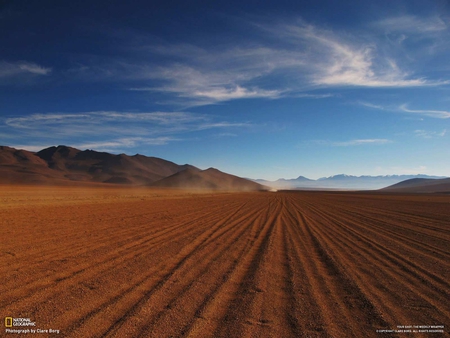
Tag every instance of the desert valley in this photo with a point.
(235, 169)
(91, 250)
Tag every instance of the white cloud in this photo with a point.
(356, 65)
(314, 96)
(338, 59)
(429, 134)
(371, 105)
(34, 69)
(225, 94)
(126, 143)
(350, 143)
(108, 145)
(103, 119)
(412, 24)
(440, 114)
(8, 69)
(360, 142)
(112, 129)
(222, 125)
(274, 60)
(219, 79)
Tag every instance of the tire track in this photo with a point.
(406, 268)
(103, 263)
(218, 305)
(225, 268)
(129, 302)
(388, 266)
(346, 303)
(285, 264)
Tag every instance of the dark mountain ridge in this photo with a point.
(66, 165)
(421, 185)
(63, 163)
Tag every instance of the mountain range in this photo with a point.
(342, 182)
(64, 165)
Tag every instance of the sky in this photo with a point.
(273, 89)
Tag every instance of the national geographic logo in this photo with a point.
(8, 322)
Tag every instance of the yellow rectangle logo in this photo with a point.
(8, 321)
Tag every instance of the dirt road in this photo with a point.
(145, 263)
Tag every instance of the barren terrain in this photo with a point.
(116, 262)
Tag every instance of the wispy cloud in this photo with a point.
(103, 120)
(440, 114)
(371, 105)
(21, 68)
(271, 60)
(112, 129)
(412, 24)
(109, 145)
(416, 36)
(429, 134)
(223, 75)
(351, 143)
(129, 142)
(350, 65)
(339, 59)
(314, 96)
(359, 142)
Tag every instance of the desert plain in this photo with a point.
(122, 262)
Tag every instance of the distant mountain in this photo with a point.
(421, 185)
(342, 182)
(62, 165)
(283, 183)
(210, 179)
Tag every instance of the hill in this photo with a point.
(21, 166)
(209, 179)
(63, 165)
(421, 185)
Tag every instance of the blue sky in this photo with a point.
(272, 90)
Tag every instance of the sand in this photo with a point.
(94, 262)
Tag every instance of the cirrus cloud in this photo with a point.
(21, 68)
(112, 129)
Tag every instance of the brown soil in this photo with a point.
(95, 262)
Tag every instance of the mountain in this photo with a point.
(104, 167)
(21, 166)
(62, 165)
(421, 185)
(210, 179)
(283, 183)
(342, 182)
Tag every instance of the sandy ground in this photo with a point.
(147, 263)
